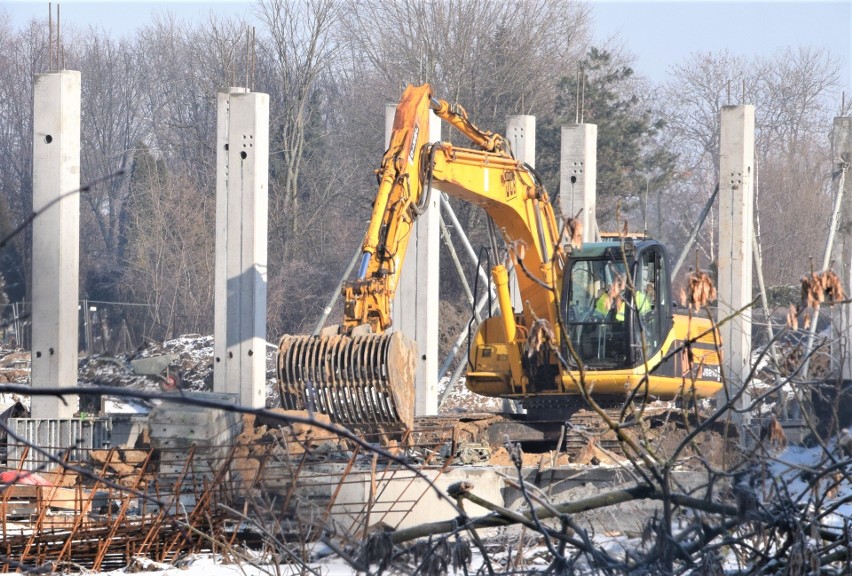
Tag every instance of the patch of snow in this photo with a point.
(7, 399)
(461, 399)
(124, 406)
(793, 469)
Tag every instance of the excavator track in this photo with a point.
(580, 432)
(364, 382)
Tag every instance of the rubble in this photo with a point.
(191, 362)
(14, 367)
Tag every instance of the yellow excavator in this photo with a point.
(597, 319)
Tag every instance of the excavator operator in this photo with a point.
(605, 303)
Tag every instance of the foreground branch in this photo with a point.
(501, 518)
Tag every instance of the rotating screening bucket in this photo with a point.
(360, 382)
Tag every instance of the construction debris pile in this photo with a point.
(14, 366)
(190, 357)
(184, 363)
(156, 500)
(200, 479)
(183, 489)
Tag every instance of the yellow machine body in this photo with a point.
(599, 317)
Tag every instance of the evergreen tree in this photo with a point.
(11, 262)
(4, 299)
(147, 174)
(629, 159)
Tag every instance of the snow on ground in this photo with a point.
(794, 468)
(460, 399)
(125, 406)
(214, 565)
(211, 565)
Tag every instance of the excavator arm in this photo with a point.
(487, 176)
(520, 209)
(364, 377)
(398, 202)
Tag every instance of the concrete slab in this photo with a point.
(176, 429)
(400, 499)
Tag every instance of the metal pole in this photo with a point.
(465, 242)
(87, 329)
(336, 294)
(694, 234)
(452, 383)
(826, 260)
(451, 355)
(758, 268)
(16, 314)
(645, 208)
(448, 242)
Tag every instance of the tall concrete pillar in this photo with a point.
(242, 160)
(841, 161)
(578, 174)
(415, 307)
(520, 132)
(225, 367)
(736, 227)
(56, 240)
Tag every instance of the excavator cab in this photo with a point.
(617, 303)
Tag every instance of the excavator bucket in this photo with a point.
(365, 383)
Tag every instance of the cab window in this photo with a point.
(650, 299)
(596, 306)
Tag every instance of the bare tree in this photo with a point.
(111, 127)
(793, 92)
(299, 49)
(169, 264)
(179, 99)
(497, 58)
(223, 51)
(22, 56)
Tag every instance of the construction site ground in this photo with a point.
(198, 479)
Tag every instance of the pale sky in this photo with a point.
(659, 33)
(662, 34)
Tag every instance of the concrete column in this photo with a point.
(841, 147)
(736, 203)
(578, 174)
(225, 367)
(520, 132)
(242, 178)
(56, 240)
(415, 307)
